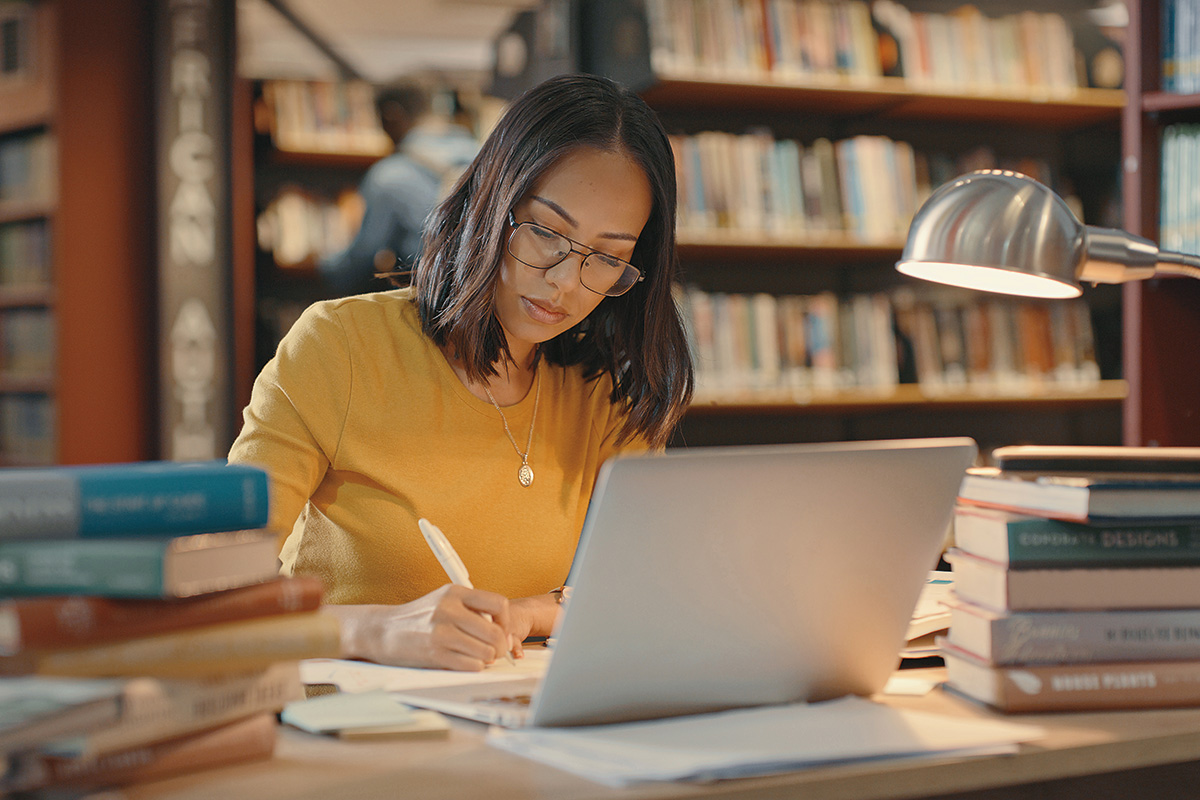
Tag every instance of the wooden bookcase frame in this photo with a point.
(91, 93)
(1161, 318)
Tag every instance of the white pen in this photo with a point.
(455, 569)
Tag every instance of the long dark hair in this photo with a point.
(637, 338)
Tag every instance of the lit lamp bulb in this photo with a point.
(1001, 231)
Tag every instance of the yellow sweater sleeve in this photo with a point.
(292, 425)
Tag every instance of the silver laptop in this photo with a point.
(723, 577)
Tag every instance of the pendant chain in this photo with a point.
(525, 473)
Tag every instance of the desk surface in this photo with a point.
(307, 767)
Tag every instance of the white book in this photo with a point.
(766, 332)
(885, 364)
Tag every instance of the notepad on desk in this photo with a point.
(374, 714)
(361, 676)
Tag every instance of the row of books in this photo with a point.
(27, 429)
(750, 38)
(322, 117)
(26, 343)
(1180, 56)
(1077, 580)
(299, 227)
(998, 345)
(869, 186)
(25, 254)
(27, 168)
(823, 343)
(144, 629)
(804, 39)
(1179, 203)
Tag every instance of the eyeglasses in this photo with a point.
(542, 248)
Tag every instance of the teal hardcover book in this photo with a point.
(154, 498)
(1029, 542)
(149, 567)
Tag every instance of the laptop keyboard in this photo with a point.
(515, 700)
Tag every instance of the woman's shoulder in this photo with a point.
(344, 323)
(367, 309)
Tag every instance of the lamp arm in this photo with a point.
(1116, 256)
(1170, 263)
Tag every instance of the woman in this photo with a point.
(539, 338)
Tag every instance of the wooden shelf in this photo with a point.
(893, 98)
(22, 211)
(323, 158)
(740, 244)
(15, 462)
(1105, 393)
(1160, 324)
(25, 119)
(1153, 102)
(30, 102)
(10, 384)
(26, 296)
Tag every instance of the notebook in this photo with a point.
(725, 577)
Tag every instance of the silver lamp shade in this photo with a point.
(1001, 231)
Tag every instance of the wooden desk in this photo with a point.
(1130, 754)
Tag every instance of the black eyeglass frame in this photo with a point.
(586, 252)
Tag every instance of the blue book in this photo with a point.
(151, 498)
(1169, 66)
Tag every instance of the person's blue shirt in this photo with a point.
(398, 193)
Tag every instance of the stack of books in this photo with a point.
(144, 627)
(1077, 580)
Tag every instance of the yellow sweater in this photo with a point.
(364, 428)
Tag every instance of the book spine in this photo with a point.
(1090, 687)
(1075, 637)
(40, 623)
(149, 498)
(1082, 589)
(58, 717)
(1011, 494)
(129, 568)
(249, 739)
(1032, 542)
(212, 650)
(134, 568)
(167, 709)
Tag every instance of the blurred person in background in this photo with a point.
(399, 191)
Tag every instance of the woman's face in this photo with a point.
(597, 198)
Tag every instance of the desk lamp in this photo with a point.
(1001, 231)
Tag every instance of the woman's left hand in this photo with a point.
(531, 616)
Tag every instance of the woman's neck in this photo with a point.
(508, 386)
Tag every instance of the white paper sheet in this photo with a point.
(757, 741)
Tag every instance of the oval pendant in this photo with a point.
(525, 475)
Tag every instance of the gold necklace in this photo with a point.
(525, 473)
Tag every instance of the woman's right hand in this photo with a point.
(445, 629)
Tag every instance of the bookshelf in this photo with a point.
(1161, 320)
(74, 235)
(312, 143)
(727, 79)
